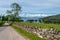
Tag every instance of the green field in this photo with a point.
(42, 25)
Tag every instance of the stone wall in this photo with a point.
(51, 34)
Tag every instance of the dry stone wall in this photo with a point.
(51, 34)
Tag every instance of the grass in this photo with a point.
(27, 34)
(42, 25)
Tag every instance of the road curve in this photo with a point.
(10, 34)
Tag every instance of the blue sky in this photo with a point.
(32, 8)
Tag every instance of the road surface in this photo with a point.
(8, 33)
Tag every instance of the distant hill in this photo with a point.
(30, 18)
(52, 19)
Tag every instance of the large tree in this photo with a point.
(16, 8)
(14, 13)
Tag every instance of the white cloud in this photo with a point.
(34, 15)
(3, 10)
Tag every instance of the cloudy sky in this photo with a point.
(32, 8)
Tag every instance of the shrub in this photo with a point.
(1, 23)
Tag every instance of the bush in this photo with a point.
(1, 23)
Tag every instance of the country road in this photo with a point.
(8, 33)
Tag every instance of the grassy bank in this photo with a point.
(42, 25)
(27, 34)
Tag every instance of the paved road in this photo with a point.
(2, 28)
(8, 33)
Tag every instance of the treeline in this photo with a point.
(6, 18)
